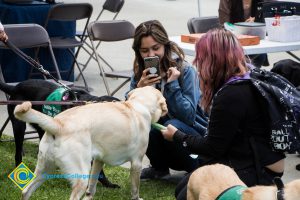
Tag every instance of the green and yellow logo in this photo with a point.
(21, 176)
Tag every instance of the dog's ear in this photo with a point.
(163, 106)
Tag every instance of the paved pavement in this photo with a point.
(173, 14)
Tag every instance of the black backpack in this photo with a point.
(283, 101)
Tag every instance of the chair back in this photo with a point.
(111, 30)
(26, 35)
(113, 5)
(70, 12)
(202, 24)
(30, 36)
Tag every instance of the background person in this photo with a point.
(239, 11)
(179, 84)
(237, 112)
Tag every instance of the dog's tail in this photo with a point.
(6, 88)
(25, 113)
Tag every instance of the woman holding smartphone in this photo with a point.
(179, 83)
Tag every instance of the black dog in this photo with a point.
(39, 90)
(289, 69)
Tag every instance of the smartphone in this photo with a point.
(152, 63)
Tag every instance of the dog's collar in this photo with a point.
(280, 188)
(232, 193)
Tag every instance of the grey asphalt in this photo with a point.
(174, 15)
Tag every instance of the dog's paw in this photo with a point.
(23, 108)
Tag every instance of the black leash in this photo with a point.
(16, 102)
(33, 63)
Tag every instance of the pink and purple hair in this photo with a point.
(219, 56)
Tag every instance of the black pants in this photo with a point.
(164, 154)
(248, 176)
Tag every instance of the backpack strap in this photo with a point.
(256, 159)
(234, 80)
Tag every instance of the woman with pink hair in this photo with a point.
(237, 114)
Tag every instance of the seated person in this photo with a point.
(237, 113)
(178, 82)
(239, 11)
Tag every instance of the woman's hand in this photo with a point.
(148, 79)
(172, 74)
(3, 36)
(169, 132)
(250, 19)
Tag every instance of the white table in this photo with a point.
(265, 46)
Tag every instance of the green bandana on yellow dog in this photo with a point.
(233, 193)
(56, 95)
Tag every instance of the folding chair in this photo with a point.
(70, 12)
(111, 31)
(202, 24)
(29, 36)
(112, 6)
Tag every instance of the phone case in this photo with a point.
(153, 64)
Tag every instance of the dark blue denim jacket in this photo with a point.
(183, 96)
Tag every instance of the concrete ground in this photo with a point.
(174, 15)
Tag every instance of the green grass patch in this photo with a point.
(59, 189)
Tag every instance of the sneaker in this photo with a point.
(298, 167)
(151, 173)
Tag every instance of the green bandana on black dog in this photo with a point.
(56, 95)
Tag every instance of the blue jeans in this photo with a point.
(164, 154)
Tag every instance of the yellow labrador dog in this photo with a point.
(110, 132)
(208, 182)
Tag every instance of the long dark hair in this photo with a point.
(155, 29)
(219, 56)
